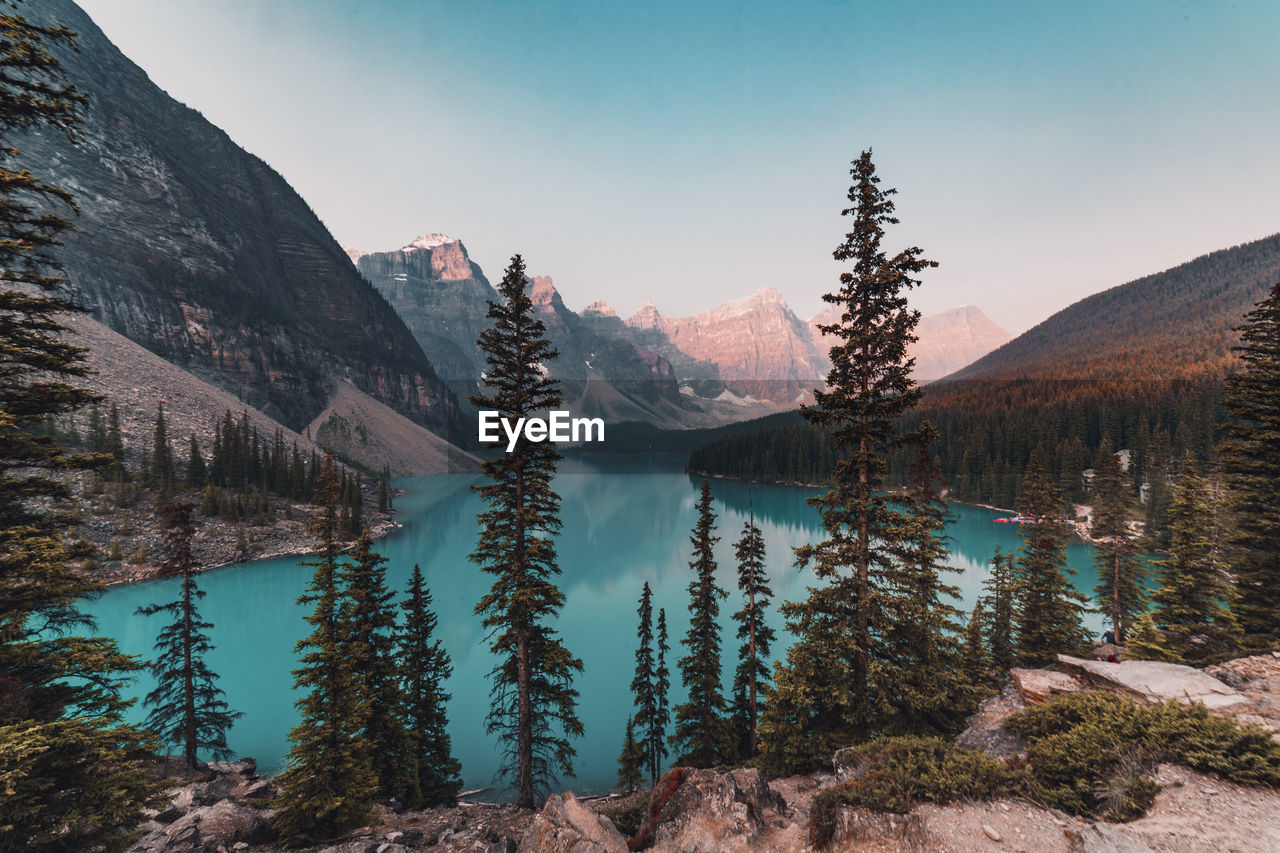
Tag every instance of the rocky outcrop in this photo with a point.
(1257, 679)
(1040, 685)
(705, 811)
(203, 254)
(213, 813)
(567, 826)
(1152, 682)
(986, 729)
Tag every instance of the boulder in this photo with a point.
(245, 766)
(1040, 685)
(208, 828)
(986, 729)
(1152, 682)
(566, 826)
(202, 794)
(708, 811)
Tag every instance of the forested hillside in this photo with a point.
(1174, 324)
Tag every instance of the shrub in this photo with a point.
(1088, 753)
(628, 818)
(1081, 746)
(895, 773)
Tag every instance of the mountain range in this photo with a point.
(202, 255)
(740, 359)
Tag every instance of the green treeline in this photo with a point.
(987, 432)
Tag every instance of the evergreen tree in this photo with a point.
(356, 506)
(384, 498)
(369, 647)
(161, 474)
(825, 694)
(97, 431)
(1251, 465)
(73, 775)
(975, 662)
(1121, 571)
(630, 761)
(1192, 602)
(752, 675)
(533, 706)
(197, 471)
(999, 601)
(917, 625)
(1048, 611)
(115, 439)
(661, 691)
(644, 689)
(424, 668)
(1145, 642)
(329, 785)
(702, 737)
(187, 706)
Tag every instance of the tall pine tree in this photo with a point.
(661, 692)
(999, 601)
(1121, 570)
(329, 785)
(750, 680)
(161, 476)
(73, 775)
(533, 706)
(644, 688)
(369, 646)
(1192, 600)
(1251, 465)
(1049, 610)
(187, 706)
(702, 736)
(424, 668)
(826, 693)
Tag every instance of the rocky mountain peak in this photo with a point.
(646, 317)
(354, 254)
(427, 241)
(542, 291)
(600, 307)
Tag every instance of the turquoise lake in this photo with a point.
(626, 521)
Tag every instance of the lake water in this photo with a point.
(626, 521)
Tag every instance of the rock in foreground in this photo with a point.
(1153, 682)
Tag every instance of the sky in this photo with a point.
(690, 153)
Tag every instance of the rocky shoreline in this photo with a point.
(137, 532)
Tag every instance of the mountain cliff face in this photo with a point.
(200, 252)
(758, 344)
(442, 297)
(947, 341)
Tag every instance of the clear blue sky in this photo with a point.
(691, 152)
